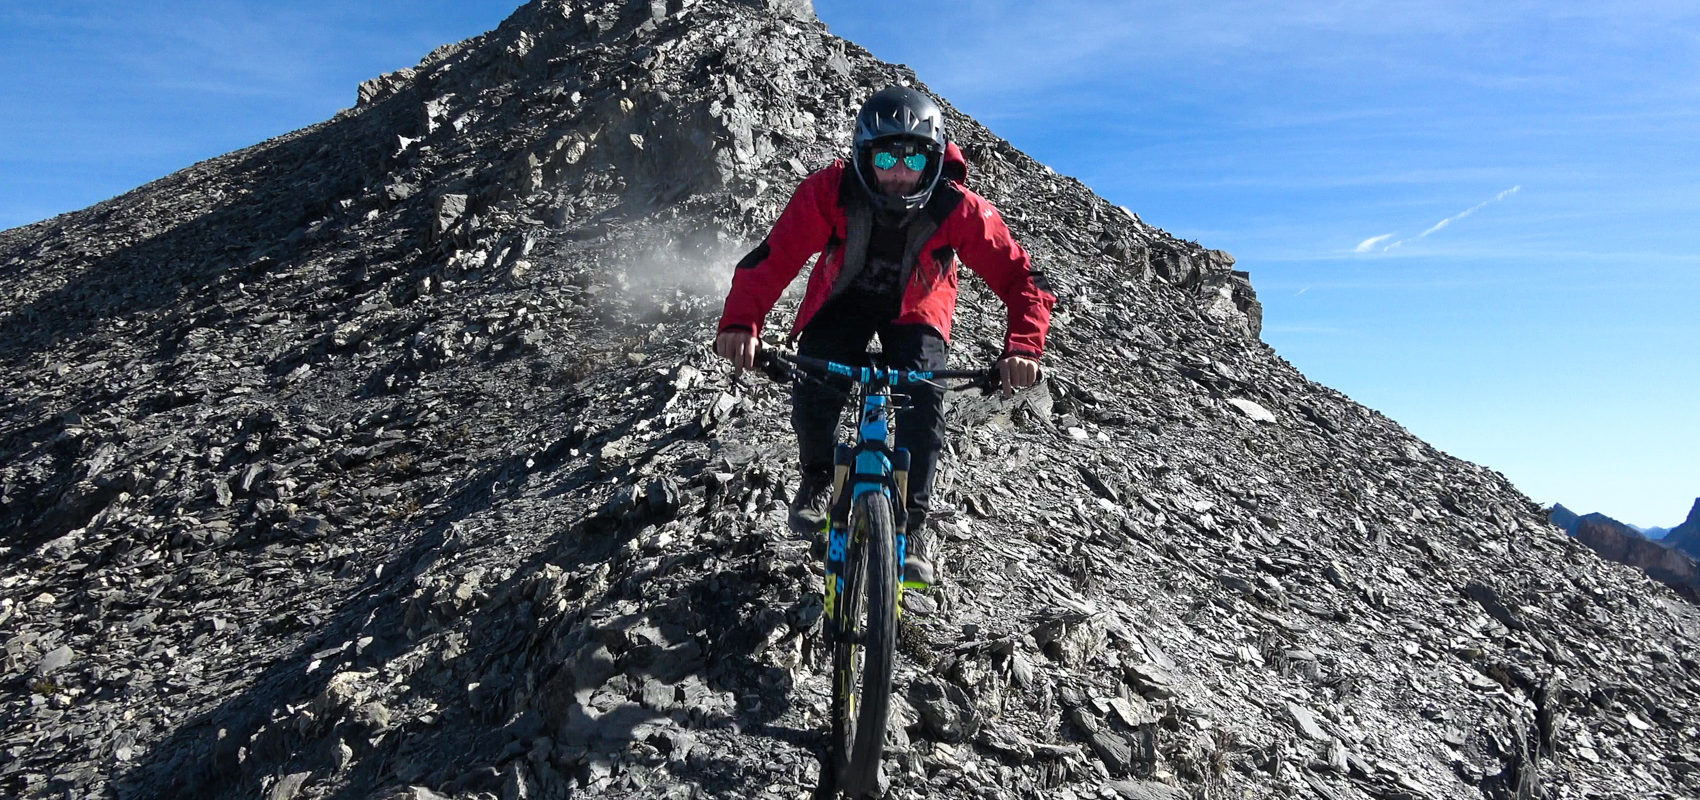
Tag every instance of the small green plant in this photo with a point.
(912, 642)
(1222, 746)
(456, 436)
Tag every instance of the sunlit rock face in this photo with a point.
(388, 458)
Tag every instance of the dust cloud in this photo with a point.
(673, 272)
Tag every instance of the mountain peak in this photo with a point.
(1686, 537)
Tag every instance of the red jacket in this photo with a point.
(820, 218)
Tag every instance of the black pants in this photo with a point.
(841, 332)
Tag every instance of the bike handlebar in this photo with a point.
(781, 366)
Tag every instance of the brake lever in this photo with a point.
(776, 369)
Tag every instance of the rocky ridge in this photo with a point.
(1564, 518)
(1686, 537)
(1666, 560)
(1622, 544)
(387, 459)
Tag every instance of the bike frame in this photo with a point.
(871, 465)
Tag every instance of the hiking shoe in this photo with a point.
(918, 558)
(812, 503)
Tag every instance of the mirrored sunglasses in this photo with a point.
(886, 160)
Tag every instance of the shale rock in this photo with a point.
(389, 458)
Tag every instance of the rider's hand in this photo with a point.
(1017, 372)
(738, 347)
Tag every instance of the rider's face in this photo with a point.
(899, 180)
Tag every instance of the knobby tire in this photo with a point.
(861, 696)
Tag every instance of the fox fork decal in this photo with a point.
(838, 546)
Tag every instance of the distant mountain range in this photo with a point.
(1669, 557)
(1686, 537)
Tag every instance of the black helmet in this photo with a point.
(894, 115)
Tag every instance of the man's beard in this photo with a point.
(899, 189)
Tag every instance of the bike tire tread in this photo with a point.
(879, 651)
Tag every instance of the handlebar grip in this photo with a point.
(774, 368)
(991, 380)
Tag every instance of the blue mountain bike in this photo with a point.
(864, 559)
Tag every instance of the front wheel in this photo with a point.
(863, 657)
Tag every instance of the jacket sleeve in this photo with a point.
(987, 247)
(801, 231)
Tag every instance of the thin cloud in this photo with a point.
(1449, 220)
(1370, 243)
(1471, 210)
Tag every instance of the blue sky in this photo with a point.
(1547, 329)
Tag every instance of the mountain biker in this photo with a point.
(889, 226)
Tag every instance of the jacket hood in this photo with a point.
(955, 166)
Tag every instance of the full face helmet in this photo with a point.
(899, 123)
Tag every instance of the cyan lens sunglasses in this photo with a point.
(914, 161)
